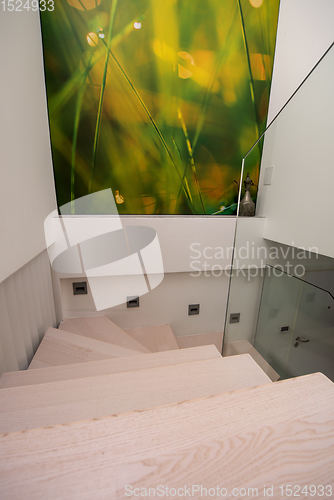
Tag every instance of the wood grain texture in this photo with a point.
(103, 329)
(154, 338)
(281, 459)
(103, 367)
(64, 348)
(245, 347)
(66, 401)
(282, 433)
(215, 338)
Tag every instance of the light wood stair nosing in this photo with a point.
(287, 424)
(66, 401)
(106, 366)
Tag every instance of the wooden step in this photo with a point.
(154, 338)
(93, 397)
(64, 348)
(245, 347)
(103, 329)
(272, 435)
(106, 366)
(199, 339)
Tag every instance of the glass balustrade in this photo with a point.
(295, 330)
(272, 306)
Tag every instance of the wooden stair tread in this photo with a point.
(272, 435)
(106, 366)
(245, 347)
(103, 329)
(200, 339)
(154, 338)
(63, 348)
(66, 401)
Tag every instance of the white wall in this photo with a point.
(27, 193)
(305, 31)
(297, 205)
(187, 243)
(190, 248)
(183, 238)
(166, 304)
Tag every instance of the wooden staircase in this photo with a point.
(102, 411)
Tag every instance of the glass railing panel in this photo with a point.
(295, 144)
(295, 331)
(314, 334)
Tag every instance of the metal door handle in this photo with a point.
(302, 340)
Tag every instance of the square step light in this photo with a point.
(193, 309)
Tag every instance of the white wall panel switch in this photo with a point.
(268, 174)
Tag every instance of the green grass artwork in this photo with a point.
(158, 100)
